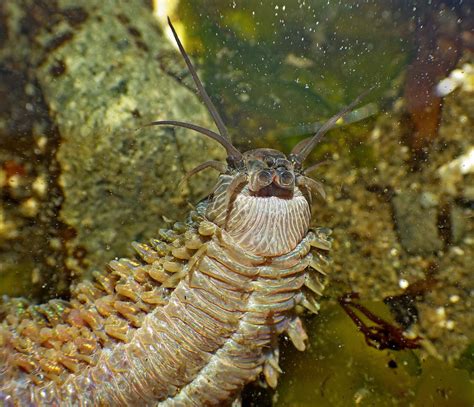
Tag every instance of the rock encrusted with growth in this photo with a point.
(99, 68)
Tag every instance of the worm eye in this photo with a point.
(265, 177)
(270, 161)
(281, 162)
(286, 178)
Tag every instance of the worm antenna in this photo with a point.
(311, 168)
(232, 152)
(202, 92)
(217, 165)
(312, 186)
(301, 151)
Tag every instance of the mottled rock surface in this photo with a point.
(417, 224)
(98, 66)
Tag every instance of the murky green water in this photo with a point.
(282, 67)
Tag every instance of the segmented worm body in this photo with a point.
(197, 314)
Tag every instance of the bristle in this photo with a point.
(24, 363)
(181, 253)
(155, 296)
(297, 334)
(85, 346)
(92, 319)
(158, 273)
(207, 228)
(167, 235)
(129, 289)
(146, 253)
(172, 266)
(123, 267)
(159, 246)
(88, 289)
(105, 306)
(314, 283)
(180, 227)
(174, 279)
(310, 302)
(104, 281)
(129, 311)
(70, 363)
(116, 328)
(319, 263)
(192, 240)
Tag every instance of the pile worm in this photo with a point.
(197, 313)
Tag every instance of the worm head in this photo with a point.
(260, 204)
(262, 198)
(265, 172)
(270, 173)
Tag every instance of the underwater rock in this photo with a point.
(100, 75)
(416, 224)
(458, 224)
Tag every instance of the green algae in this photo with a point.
(339, 369)
(466, 360)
